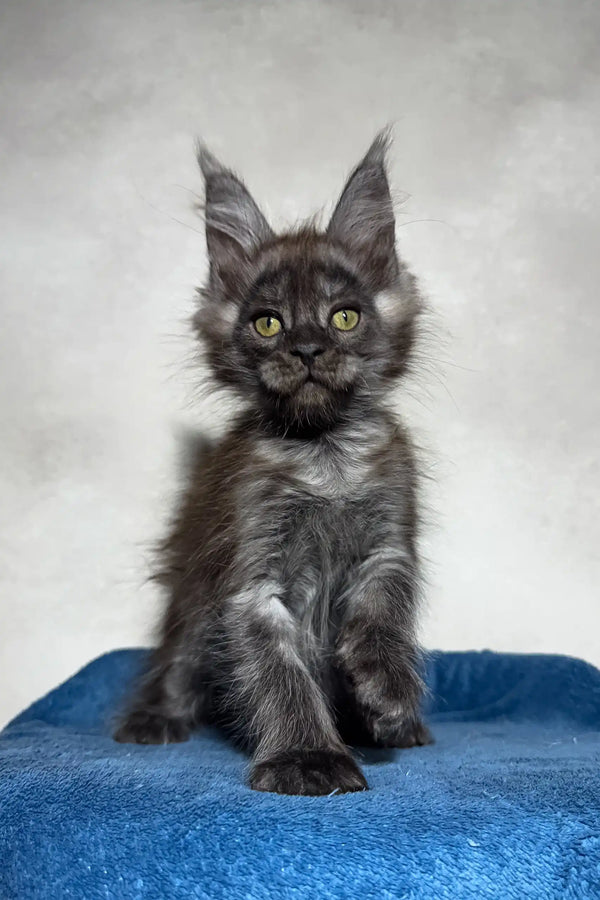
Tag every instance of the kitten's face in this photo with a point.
(306, 324)
(308, 334)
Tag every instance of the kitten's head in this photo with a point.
(310, 324)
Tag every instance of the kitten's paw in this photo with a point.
(309, 772)
(394, 731)
(381, 673)
(143, 727)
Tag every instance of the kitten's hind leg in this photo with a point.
(146, 726)
(167, 703)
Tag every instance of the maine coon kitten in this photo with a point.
(291, 568)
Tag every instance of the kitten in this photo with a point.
(291, 568)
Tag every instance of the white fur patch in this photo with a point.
(333, 468)
(389, 306)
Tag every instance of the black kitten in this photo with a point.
(291, 568)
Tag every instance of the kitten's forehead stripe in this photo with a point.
(272, 278)
(305, 277)
(304, 293)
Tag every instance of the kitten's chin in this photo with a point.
(313, 407)
(312, 394)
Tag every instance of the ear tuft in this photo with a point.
(209, 164)
(377, 153)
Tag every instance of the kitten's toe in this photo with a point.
(143, 727)
(308, 772)
(391, 731)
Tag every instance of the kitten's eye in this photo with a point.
(267, 326)
(345, 319)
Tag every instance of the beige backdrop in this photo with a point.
(497, 109)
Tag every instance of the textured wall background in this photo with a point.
(497, 109)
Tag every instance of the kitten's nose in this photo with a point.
(307, 352)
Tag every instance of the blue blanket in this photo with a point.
(505, 804)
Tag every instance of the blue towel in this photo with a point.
(505, 804)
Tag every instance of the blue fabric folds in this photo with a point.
(505, 804)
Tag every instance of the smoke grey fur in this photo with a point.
(291, 568)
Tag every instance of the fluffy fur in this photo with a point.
(291, 567)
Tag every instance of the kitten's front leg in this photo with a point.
(278, 703)
(378, 653)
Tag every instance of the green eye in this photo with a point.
(345, 319)
(267, 326)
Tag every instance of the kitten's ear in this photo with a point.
(235, 226)
(363, 220)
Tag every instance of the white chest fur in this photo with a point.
(334, 466)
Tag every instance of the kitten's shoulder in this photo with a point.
(395, 460)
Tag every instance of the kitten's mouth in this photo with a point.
(310, 383)
(316, 379)
(312, 387)
(314, 384)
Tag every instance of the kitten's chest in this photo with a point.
(320, 500)
(322, 543)
(323, 508)
(338, 476)
(333, 469)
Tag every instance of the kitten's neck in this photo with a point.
(334, 464)
(301, 432)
